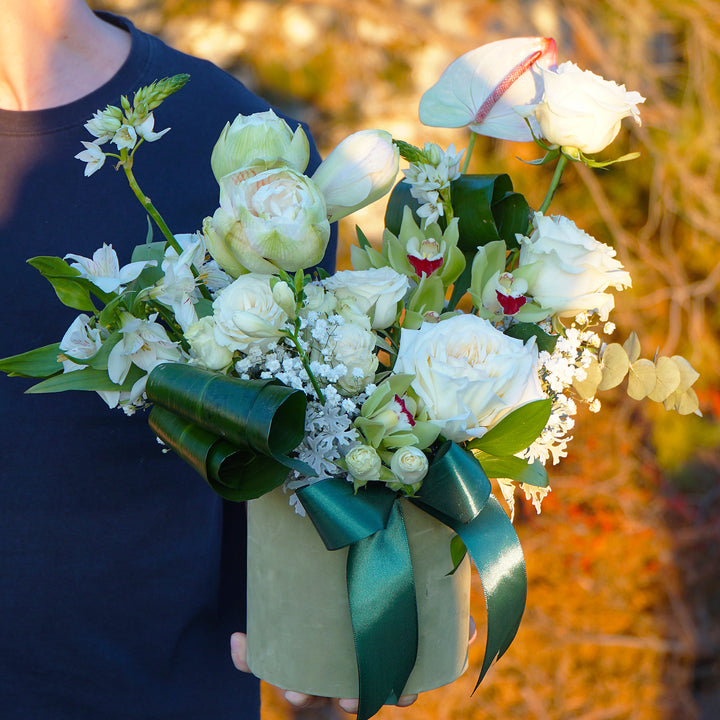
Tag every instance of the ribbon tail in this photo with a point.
(383, 608)
(495, 549)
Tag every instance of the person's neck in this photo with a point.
(53, 52)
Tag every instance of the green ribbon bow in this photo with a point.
(381, 591)
(238, 434)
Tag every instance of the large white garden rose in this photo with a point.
(246, 314)
(468, 374)
(582, 110)
(269, 217)
(575, 268)
(375, 292)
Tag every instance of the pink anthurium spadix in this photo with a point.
(482, 88)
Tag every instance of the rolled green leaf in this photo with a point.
(236, 475)
(262, 415)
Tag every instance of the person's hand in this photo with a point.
(238, 651)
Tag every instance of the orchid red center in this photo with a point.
(424, 265)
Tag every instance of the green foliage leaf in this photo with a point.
(400, 198)
(472, 197)
(71, 289)
(524, 331)
(458, 551)
(150, 251)
(512, 215)
(41, 362)
(85, 379)
(363, 242)
(614, 366)
(514, 468)
(515, 431)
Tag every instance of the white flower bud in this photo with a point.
(363, 463)
(410, 465)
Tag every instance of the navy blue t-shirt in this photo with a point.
(121, 574)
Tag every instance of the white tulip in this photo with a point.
(359, 171)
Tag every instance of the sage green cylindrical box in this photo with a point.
(299, 630)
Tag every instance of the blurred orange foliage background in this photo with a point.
(623, 564)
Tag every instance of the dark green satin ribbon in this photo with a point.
(381, 593)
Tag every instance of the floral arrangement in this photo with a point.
(476, 326)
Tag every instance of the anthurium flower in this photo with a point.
(359, 171)
(482, 88)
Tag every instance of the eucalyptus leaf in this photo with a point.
(614, 365)
(632, 347)
(667, 379)
(685, 403)
(588, 387)
(688, 374)
(641, 379)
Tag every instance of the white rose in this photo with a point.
(317, 300)
(204, 346)
(582, 110)
(575, 269)
(353, 346)
(363, 463)
(468, 374)
(246, 314)
(376, 292)
(410, 464)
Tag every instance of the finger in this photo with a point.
(349, 705)
(472, 633)
(298, 700)
(406, 700)
(238, 651)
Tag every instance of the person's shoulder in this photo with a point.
(211, 90)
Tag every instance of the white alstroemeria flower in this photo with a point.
(80, 342)
(104, 270)
(93, 156)
(145, 129)
(125, 137)
(482, 88)
(178, 287)
(144, 343)
(104, 124)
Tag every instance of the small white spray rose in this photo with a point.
(205, 348)
(574, 271)
(375, 292)
(359, 171)
(410, 465)
(582, 110)
(246, 314)
(260, 137)
(363, 463)
(468, 374)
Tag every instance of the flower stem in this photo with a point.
(562, 162)
(468, 152)
(306, 365)
(159, 221)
